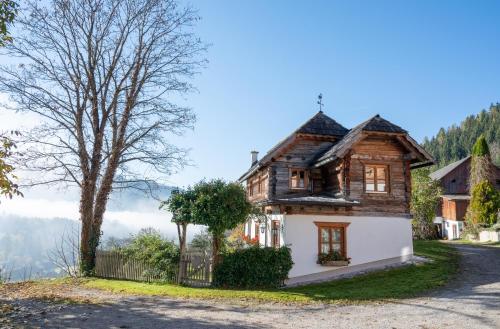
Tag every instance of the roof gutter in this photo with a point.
(249, 173)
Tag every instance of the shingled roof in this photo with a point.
(377, 123)
(374, 124)
(321, 124)
(438, 174)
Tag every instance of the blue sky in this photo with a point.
(419, 64)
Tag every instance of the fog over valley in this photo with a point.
(32, 227)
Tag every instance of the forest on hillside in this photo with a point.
(455, 142)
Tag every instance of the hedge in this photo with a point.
(254, 267)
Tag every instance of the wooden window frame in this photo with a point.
(255, 186)
(329, 225)
(275, 239)
(257, 232)
(387, 178)
(306, 179)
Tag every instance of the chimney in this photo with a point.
(255, 157)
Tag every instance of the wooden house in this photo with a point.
(326, 189)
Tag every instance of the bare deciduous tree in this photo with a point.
(103, 76)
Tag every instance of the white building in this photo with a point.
(338, 198)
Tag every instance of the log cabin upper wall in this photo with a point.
(341, 176)
(380, 151)
(300, 155)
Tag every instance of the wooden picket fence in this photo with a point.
(196, 268)
(115, 265)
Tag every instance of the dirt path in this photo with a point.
(471, 301)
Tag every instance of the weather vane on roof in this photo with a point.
(320, 102)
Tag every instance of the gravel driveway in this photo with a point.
(470, 301)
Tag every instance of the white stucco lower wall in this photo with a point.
(369, 239)
(452, 229)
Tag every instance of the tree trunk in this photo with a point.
(88, 247)
(181, 232)
(87, 251)
(215, 249)
(91, 215)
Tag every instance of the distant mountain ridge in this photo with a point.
(455, 142)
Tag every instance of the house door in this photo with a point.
(455, 231)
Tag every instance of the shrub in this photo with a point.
(425, 196)
(484, 204)
(161, 256)
(254, 268)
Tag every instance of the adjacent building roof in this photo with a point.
(439, 174)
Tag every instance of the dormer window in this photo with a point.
(298, 179)
(376, 178)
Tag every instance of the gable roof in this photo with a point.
(320, 124)
(440, 173)
(374, 124)
(377, 123)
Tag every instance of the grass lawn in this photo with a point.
(475, 243)
(390, 284)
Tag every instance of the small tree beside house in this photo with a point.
(425, 198)
(180, 204)
(221, 206)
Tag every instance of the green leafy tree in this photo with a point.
(180, 204)
(221, 206)
(8, 12)
(8, 187)
(425, 198)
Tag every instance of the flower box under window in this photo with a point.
(335, 263)
(333, 259)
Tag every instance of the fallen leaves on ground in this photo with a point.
(59, 292)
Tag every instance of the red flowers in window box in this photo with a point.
(248, 240)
